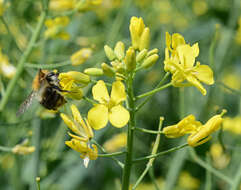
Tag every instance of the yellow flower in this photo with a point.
(116, 142)
(81, 56)
(61, 5)
(1, 7)
(232, 124)
(23, 148)
(219, 157)
(80, 142)
(109, 107)
(199, 133)
(7, 69)
(185, 126)
(140, 35)
(181, 64)
(87, 4)
(203, 133)
(55, 28)
(187, 181)
(72, 82)
(199, 7)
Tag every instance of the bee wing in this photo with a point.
(25, 105)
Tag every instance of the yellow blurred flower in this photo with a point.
(1, 7)
(187, 181)
(232, 124)
(116, 142)
(55, 28)
(62, 5)
(81, 56)
(72, 82)
(140, 35)
(199, 133)
(219, 157)
(181, 64)
(232, 80)
(23, 148)
(109, 107)
(238, 33)
(6, 69)
(80, 142)
(199, 7)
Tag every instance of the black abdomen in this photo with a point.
(51, 99)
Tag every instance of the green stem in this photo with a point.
(5, 149)
(148, 98)
(89, 100)
(208, 167)
(112, 154)
(47, 66)
(152, 176)
(10, 33)
(159, 154)
(131, 125)
(151, 160)
(103, 150)
(148, 131)
(23, 59)
(237, 179)
(154, 91)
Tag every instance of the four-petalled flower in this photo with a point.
(109, 107)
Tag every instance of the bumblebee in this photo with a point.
(47, 90)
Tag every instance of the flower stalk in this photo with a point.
(130, 134)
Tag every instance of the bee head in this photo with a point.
(52, 78)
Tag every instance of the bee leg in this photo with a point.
(59, 89)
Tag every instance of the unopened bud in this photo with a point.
(151, 52)
(150, 61)
(93, 72)
(141, 55)
(145, 39)
(107, 70)
(136, 28)
(119, 50)
(78, 77)
(109, 53)
(130, 59)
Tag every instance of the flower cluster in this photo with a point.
(181, 63)
(199, 133)
(79, 5)
(55, 28)
(80, 142)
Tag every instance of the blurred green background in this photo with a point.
(214, 24)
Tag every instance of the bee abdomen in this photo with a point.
(51, 99)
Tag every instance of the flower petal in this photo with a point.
(118, 93)
(100, 92)
(98, 116)
(204, 73)
(119, 116)
(197, 84)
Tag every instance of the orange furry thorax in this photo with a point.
(38, 79)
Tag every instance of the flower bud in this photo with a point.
(93, 72)
(119, 50)
(150, 61)
(109, 53)
(151, 52)
(145, 39)
(78, 77)
(108, 71)
(141, 55)
(130, 59)
(81, 56)
(136, 28)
